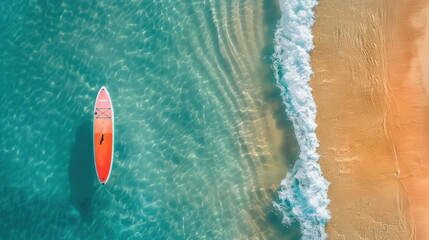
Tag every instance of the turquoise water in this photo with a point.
(202, 138)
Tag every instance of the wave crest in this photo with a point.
(303, 194)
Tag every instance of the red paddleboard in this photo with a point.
(103, 135)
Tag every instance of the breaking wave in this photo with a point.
(303, 194)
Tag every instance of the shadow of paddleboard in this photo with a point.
(81, 169)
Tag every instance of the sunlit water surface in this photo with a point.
(202, 141)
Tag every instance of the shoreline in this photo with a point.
(303, 193)
(371, 116)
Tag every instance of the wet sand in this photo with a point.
(373, 117)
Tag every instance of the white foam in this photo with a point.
(303, 194)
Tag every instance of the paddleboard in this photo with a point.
(103, 135)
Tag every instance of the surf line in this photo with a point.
(303, 194)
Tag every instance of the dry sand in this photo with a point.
(409, 112)
(373, 117)
(424, 50)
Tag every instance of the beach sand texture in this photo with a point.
(373, 115)
(409, 111)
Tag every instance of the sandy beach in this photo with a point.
(409, 116)
(424, 47)
(373, 114)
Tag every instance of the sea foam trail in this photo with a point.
(303, 194)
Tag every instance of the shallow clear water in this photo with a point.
(202, 140)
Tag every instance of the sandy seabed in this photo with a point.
(370, 73)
